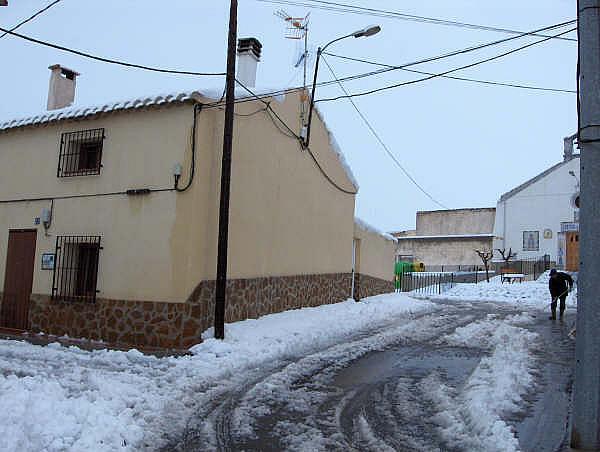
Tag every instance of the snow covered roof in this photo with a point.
(213, 93)
(447, 236)
(336, 148)
(367, 227)
(82, 111)
(535, 179)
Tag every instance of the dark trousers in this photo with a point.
(563, 298)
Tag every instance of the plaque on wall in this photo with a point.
(547, 233)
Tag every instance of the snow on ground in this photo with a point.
(528, 294)
(472, 418)
(65, 399)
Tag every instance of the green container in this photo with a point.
(403, 267)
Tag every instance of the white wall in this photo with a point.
(542, 205)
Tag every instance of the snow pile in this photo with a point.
(367, 227)
(56, 398)
(529, 293)
(473, 418)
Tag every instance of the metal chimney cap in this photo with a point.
(246, 45)
(69, 73)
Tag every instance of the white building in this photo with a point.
(541, 216)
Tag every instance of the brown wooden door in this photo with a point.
(572, 239)
(18, 279)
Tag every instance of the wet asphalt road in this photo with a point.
(373, 393)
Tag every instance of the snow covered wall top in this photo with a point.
(367, 227)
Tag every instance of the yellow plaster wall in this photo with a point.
(285, 218)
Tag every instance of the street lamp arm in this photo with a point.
(364, 33)
(322, 49)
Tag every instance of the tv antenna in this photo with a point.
(297, 29)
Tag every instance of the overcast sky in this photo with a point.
(464, 143)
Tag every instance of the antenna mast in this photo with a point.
(297, 29)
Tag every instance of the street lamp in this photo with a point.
(362, 33)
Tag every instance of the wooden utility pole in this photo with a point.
(221, 288)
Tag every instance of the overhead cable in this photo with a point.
(464, 79)
(30, 18)
(107, 60)
(388, 14)
(400, 67)
(441, 74)
(380, 140)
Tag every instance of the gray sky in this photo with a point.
(465, 143)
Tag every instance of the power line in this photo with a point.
(465, 50)
(403, 66)
(441, 74)
(381, 142)
(464, 79)
(30, 18)
(388, 14)
(292, 134)
(107, 60)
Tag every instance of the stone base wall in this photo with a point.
(368, 286)
(179, 325)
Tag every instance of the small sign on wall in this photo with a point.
(547, 233)
(48, 261)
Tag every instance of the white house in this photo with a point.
(541, 216)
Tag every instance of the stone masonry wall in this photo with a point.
(368, 286)
(179, 325)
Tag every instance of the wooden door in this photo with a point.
(572, 239)
(18, 279)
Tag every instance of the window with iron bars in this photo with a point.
(76, 268)
(80, 153)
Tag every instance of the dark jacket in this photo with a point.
(560, 284)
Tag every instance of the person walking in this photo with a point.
(560, 284)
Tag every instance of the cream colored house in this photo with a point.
(374, 254)
(98, 241)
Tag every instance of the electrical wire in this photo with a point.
(380, 140)
(441, 74)
(30, 18)
(197, 110)
(354, 9)
(270, 109)
(294, 135)
(400, 67)
(464, 79)
(107, 60)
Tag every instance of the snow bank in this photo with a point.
(473, 418)
(66, 399)
(530, 293)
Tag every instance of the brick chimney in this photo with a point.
(61, 91)
(248, 51)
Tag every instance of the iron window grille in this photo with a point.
(76, 268)
(531, 240)
(80, 153)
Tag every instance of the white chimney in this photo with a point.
(61, 91)
(248, 50)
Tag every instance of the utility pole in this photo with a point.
(585, 430)
(221, 288)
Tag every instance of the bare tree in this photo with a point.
(486, 256)
(506, 256)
